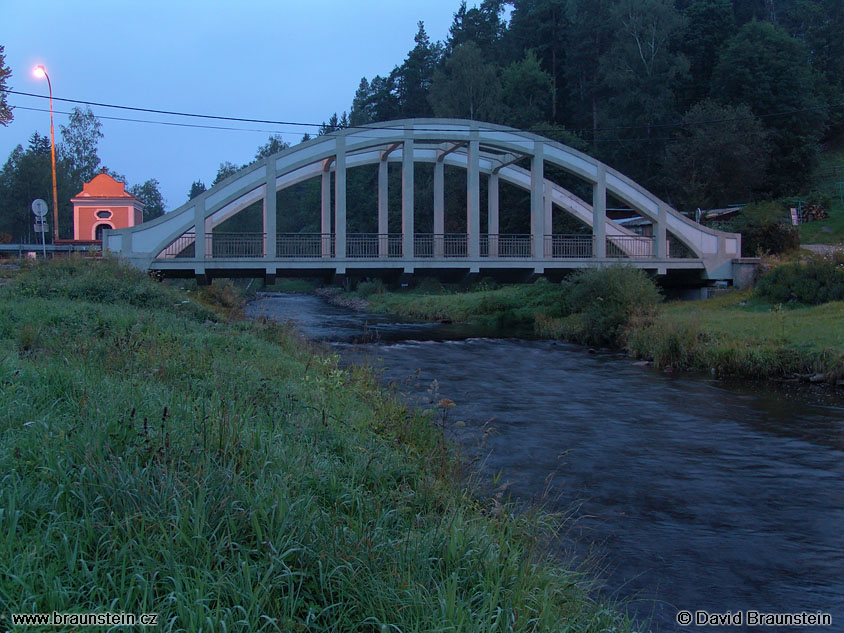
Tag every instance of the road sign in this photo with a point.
(41, 227)
(39, 208)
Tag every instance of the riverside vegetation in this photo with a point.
(790, 327)
(155, 457)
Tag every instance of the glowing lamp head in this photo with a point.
(40, 72)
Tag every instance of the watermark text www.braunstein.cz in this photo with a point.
(56, 618)
(753, 618)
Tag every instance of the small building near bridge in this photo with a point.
(102, 204)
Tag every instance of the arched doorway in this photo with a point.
(98, 230)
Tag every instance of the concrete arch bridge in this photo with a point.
(184, 243)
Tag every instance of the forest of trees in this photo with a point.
(707, 102)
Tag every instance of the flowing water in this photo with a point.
(695, 494)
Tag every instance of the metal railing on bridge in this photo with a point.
(304, 245)
(512, 245)
(630, 246)
(562, 246)
(425, 245)
(374, 245)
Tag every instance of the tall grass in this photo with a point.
(231, 478)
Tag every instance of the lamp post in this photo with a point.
(41, 72)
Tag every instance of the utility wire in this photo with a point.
(426, 129)
(242, 129)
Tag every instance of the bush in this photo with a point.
(815, 282)
(371, 287)
(608, 298)
(765, 228)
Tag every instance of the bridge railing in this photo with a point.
(304, 245)
(440, 245)
(374, 245)
(511, 245)
(630, 246)
(235, 245)
(182, 246)
(425, 245)
(562, 246)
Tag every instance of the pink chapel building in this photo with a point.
(103, 203)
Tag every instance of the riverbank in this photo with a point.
(738, 334)
(230, 475)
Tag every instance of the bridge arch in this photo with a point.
(180, 240)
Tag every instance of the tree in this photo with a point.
(768, 70)
(196, 188)
(416, 74)
(25, 176)
(641, 69)
(80, 138)
(720, 158)
(469, 87)
(6, 115)
(527, 92)
(481, 26)
(709, 24)
(225, 170)
(540, 26)
(274, 145)
(588, 39)
(149, 194)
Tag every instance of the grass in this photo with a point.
(740, 334)
(507, 306)
(230, 477)
(829, 171)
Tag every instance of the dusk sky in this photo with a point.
(289, 61)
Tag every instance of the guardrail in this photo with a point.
(441, 245)
(562, 246)
(425, 245)
(304, 245)
(512, 245)
(630, 246)
(374, 245)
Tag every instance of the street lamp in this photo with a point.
(41, 73)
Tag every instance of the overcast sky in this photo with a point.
(285, 60)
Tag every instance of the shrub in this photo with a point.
(371, 287)
(765, 228)
(608, 298)
(815, 282)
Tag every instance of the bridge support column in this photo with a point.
(548, 220)
(492, 214)
(340, 199)
(199, 240)
(660, 233)
(325, 210)
(383, 200)
(439, 206)
(407, 195)
(537, 189)
(473, 205)
(270, 212)
(599, 215)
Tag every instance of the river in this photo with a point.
(692, 493)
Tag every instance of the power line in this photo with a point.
(428, 129)
(242, 129)
(171, 123)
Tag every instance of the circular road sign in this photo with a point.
(39, 207)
